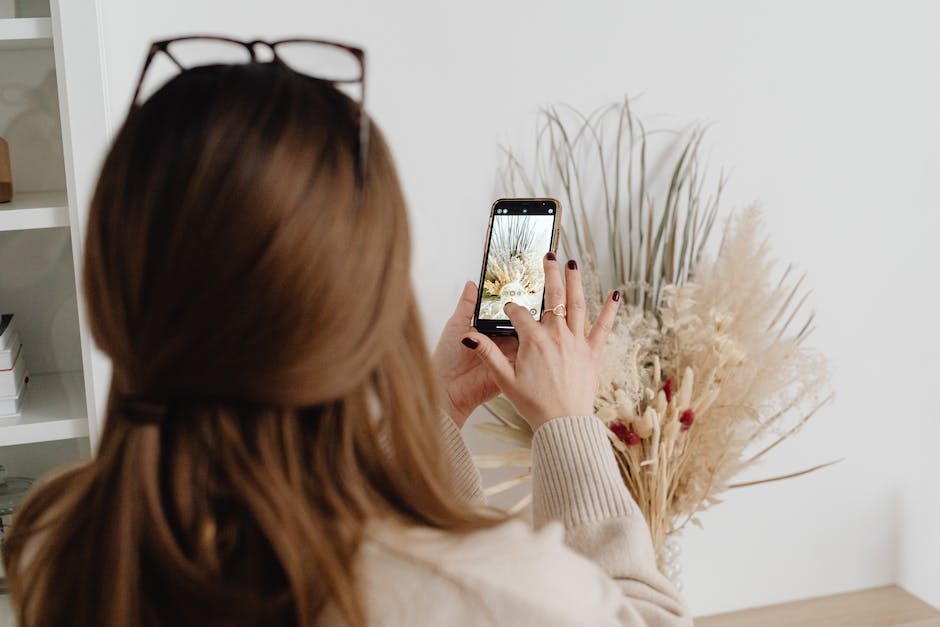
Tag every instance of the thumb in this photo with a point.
(488, 352)
(463, 312)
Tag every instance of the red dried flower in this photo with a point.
(619, 429)
(687, 417)
(624, 434)
(667, 388)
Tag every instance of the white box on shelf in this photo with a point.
(12, 380)
(12, 405)
(7, 329)
(9, 354)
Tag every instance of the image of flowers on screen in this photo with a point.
(514, 264)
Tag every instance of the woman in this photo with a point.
(272, 450)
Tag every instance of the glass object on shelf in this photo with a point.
(6, 172)
(34, 134)
(12, 492)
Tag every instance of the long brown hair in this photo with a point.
(236, 280)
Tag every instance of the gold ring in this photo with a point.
(559, 310)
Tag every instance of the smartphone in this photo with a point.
(520, 233)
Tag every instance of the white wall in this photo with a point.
(825, 112)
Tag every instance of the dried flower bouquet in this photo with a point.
(707, 369)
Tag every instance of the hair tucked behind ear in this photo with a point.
(233, 280)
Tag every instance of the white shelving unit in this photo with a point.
(56, 126)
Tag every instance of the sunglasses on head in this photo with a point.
(330, 61)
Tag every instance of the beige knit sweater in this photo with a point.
(589, 561)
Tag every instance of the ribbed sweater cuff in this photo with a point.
(575, 477)
(466, 477)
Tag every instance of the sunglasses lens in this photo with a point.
(196, 52)
(188, 53)
(325, 61)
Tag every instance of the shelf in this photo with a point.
(34, 210)
(25, 32)
(54, 409)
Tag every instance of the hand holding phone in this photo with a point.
(554, 372)
(521, 231)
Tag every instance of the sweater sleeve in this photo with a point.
(466, 477)
(576, 480)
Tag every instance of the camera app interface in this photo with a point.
(519, 239)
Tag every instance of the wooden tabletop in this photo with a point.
(878, 607)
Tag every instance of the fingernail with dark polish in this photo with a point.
(469, 342)
(550, 256)
(616, 295)
(572, 264)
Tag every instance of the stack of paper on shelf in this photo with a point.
(13, 374)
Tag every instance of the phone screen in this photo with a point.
(521, 232)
